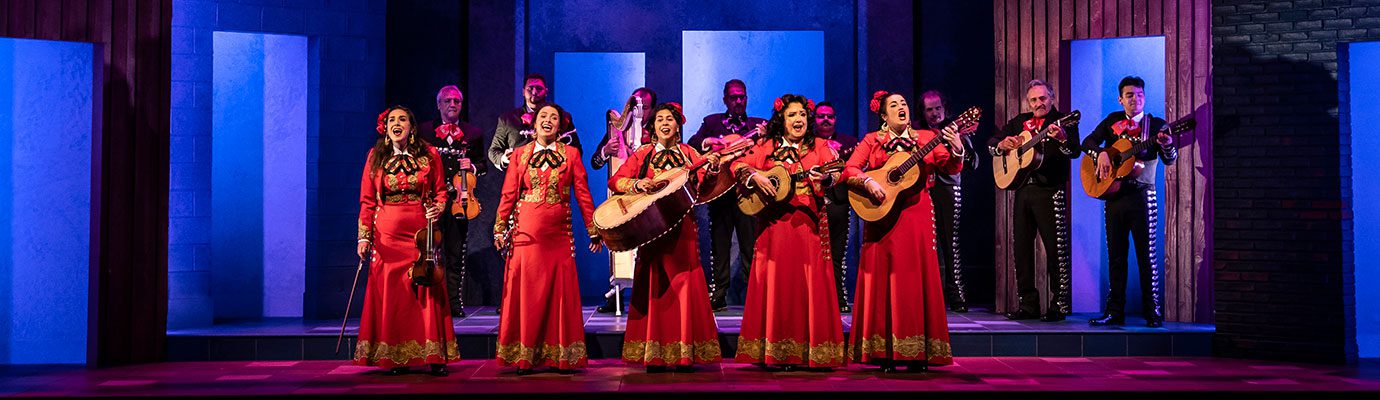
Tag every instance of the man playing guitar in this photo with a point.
(1134, 208)
(1041, 204)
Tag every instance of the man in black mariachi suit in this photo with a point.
(514, 128)
(1134, 208)
(836, 199)
(947, 195)
(1041, 205)
(461, 146)
(724, 217)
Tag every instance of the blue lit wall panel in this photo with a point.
(772, 63)
(46, 91)
(588, 85)
(1099, 66)
(258, 174)
(1365, 192)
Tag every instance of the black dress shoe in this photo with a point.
(917, 366)
(1154, 323)
(788, 368)
(960, 308)
(564, 371)
(397, 371)
(457, 313)
(607, 307)
(1108, 319)
(685, 368)
(1022, 314)
(524, 371)
(719, 306)
(845, 309)
(439, 370)
(656, 369)
(1052, 316)
(498, 310)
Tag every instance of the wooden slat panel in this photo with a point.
(74, 20)
(1171, 177)
(1095, 14)
(1138, 17)
(21, 17)
(1124, 11)
(48, 20)
(1067, 19)
(1202, 160)
(1038, 26)
(1081, 19)
(1109, 20)
(1154, 15)
(1052, 44)
(1182, 201)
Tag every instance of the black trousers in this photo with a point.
(948, 205)
(840, 214)
(725, 220)
(1133, 211)
(454, 235)
(1043, 210)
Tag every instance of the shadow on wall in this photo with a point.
(1278, 216)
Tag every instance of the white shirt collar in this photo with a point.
(788, 143)
(1138, 117)
(659, 147)
(539, 147)
(397, 152)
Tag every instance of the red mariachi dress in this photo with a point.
(401, 325)
(542, 324)
(669, 321)
(791, 315)
(898, 311)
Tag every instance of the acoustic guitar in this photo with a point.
(1010, 168)
(899, 172)
(1122, 154)
(628, 221)
(753, 201)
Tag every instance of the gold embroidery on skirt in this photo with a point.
(673, 352)
(823, 353)
(908, 348)
(516, 352)
(403, 353)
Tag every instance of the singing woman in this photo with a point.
(670, 323)
(791, 316)
(402, 324)
(898, 311)
(541, 324)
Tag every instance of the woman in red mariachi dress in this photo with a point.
(898, 311)
(403, 186)
(669, 321)
(541, 324)
(791, 316)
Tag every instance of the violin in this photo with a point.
(424, 269)
(464, 205)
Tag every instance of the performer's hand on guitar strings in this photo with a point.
(763, 184)
(1057, 132)
(1164, 139)
(643, 185)
(875, 189)
(1007, 144)
(1104, 165)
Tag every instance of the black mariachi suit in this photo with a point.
(947, 196)
(1133, 210)
(840, 218)
(455, 229)
(508, 135)
(724, 217)
(1041, 205)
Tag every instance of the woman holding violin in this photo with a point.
(541, 324)
(406, 319)
(670, 323)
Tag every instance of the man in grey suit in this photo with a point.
(515, 127)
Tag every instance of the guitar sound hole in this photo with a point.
(893, 176)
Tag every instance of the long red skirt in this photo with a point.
(402, 325)
(541, 323)
(898, 311)
(669, 320)
(791, 316)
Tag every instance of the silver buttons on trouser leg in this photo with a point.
(1152, 210)
(1064, 288)
(956, 263)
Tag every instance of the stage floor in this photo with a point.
(978, 333)
(1024, 377)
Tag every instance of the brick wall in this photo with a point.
(347, 66)
(1281, 163)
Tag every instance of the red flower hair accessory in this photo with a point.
(777, 106)
(382, 116)
(876, 104)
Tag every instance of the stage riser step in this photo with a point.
(600, 346)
